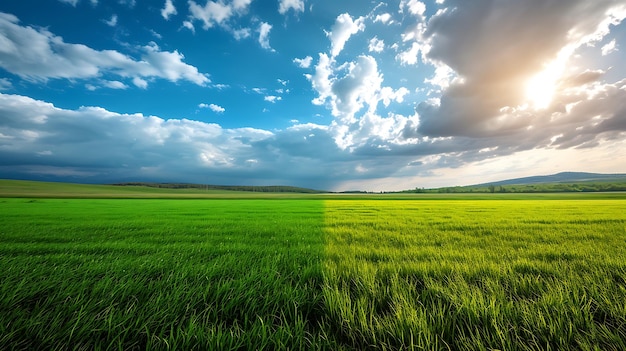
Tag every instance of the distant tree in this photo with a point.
(492, 188)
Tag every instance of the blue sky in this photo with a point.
(323, 94)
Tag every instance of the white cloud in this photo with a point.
(376, 45)
(115, 84)
(272, 98)
(37, 54)
(387, 95)
(286, 5)
(321, 80)
(168, 10)
(608, 48)
(304, 62)
(112, 22)
(342, 30)
(240, 5)
(443, 77)
(409, 57)
(213, 107)
(264, 35)
(189, 25)
(241, 33)
(219, 13)
(216, 108)
(212, 13)
(140, 83)
(383, 18)
(415, 7)
(349, 93)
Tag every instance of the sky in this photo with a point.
(332, 95)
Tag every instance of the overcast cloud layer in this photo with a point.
(396, 95)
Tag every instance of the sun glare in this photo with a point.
(540, 88)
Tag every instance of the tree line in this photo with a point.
(251, 188)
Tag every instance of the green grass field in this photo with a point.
(329, 273)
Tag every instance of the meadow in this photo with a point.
(329, 273)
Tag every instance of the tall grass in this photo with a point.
(476, 275)
(146, 274)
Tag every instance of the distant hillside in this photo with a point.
(555, 183)
(563, 177)
(261, 189)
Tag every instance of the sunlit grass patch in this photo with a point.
(510, 275)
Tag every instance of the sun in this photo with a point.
(541, 88)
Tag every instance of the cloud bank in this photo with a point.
(37, 54)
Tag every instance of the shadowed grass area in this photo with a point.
(161, 274)
(476, 275)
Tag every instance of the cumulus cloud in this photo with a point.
(115, 84)
(168, 10)
(213, 107)
(353, 92)
(189, 25)
(241, 33)
(342, 30)
(41, 141)
(37, 54)
(376, 45)
(415, 7)
(272, 98)
(383, 18)
(608, 48)
(304, 62)
(219, 12)
(264, 35)
(409, 57)
(286, 5)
